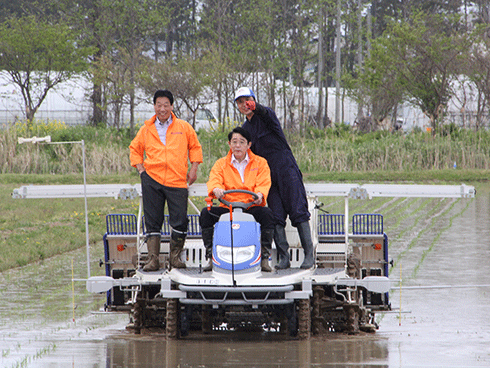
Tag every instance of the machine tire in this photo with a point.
(292, 319)
(207, 322)
(304, 319)
(185, 320)
(139, 313)
(172, 318)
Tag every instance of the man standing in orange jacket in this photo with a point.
(168, 143)
(240, 169)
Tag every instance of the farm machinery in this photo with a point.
(348, 285)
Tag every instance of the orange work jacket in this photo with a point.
(224, 175)
(166, 163)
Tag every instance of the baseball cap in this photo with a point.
(244, 92)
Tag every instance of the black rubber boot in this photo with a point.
(207, 239)
(153, 244)
(307, 244)
(176, 246)
(282, 247)
(266, 246)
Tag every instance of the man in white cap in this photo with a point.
(287, 195)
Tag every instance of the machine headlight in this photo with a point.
(240, 254)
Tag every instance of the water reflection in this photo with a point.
(249, 351)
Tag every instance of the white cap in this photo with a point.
(244, 92)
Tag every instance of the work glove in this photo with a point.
(250, 105)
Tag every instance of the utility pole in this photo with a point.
(369, 31)
(337, 66)
(319, 115)
(360, 112)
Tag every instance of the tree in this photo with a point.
(385, 11)
(118, 75)
(230, 30)
(187, 79)
(36, 56)
(427, 52)
(128, 26)
(417, 59)
(85, 17)
(21, 8)
(478, 70)
(376, 87)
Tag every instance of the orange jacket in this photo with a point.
(257, 176)
(167, 164)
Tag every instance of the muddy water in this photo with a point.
(433, 243)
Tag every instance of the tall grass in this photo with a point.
(327, 151)
(106, 150)
(331, 150)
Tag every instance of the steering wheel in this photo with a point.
(241, 205)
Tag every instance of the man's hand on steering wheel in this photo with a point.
(259, 200)
(218, 193)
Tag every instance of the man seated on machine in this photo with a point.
(239, 169)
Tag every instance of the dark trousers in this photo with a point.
(154, 197)
(287, 195)
(263, 215)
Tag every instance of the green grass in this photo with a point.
(35, 229)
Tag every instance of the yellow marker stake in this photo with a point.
(73, 289)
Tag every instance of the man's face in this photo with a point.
(240, 102)
(163, 108)
(239, 146)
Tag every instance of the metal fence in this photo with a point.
(69, 117)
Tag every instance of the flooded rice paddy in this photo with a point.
(433, 242)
